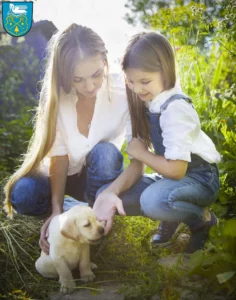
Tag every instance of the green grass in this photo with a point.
(125, 257)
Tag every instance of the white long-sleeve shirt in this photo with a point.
(181, 129)
(108, 125)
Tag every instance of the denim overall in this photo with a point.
(156, 132)
(182, 200)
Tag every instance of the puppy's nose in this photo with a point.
(101, 230)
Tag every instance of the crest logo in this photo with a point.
(17, 17)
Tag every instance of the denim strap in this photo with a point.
(173, 98)
(195, 159)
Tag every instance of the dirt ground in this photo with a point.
(107, 292)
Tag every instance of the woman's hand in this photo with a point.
(105, 207)
(136, 148)
(43, 241)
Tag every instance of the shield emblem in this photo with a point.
(17, 17)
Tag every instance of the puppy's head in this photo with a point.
(80, 224)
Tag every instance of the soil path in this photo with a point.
(106, 292)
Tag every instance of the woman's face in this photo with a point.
(147, 85)
(88, 76)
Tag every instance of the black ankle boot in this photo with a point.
(164, 233)
(200, 235)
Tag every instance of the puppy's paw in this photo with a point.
(93, 266)
(67, 287)
(88, 277)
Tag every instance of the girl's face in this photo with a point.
(147, 85)
(88, 76)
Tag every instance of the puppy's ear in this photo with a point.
(69, 229)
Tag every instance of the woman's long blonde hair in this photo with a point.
(65, 50)
(149, 52)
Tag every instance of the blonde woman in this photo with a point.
(79, 130)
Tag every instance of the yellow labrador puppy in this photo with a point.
(69, 237)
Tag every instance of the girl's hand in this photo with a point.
(136, 148)
(105, 207)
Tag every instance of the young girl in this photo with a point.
(185, 157)
(80, 128)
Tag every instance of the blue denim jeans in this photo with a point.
(31, 195)
(182, 200)
(166, 199)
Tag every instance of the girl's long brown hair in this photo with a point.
(65, 50)
(149, 52)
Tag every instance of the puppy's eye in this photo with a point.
(87, 225)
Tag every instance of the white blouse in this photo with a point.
(108, 124)
(181, 129)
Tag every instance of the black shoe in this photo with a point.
(164, 234)
(199, 236)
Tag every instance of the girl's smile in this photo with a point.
(143, 96)
(147, 85)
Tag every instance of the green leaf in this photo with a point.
(211, 260)
(196, 260)
(223, 277)
(217, 73)
(198, 74)
(230, 228)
